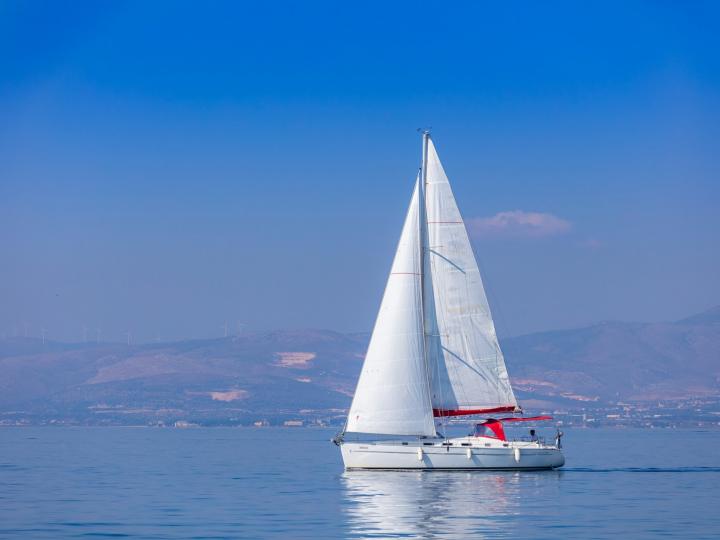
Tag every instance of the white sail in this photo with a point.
(466, 366)
(392, 395)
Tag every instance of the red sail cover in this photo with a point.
(448, 412)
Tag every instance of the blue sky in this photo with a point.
(168, 166)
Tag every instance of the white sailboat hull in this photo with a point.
(459, 454)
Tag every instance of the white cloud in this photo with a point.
(518, 223)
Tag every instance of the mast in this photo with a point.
(425, 138)
(422, 222)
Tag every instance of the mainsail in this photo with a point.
(392, 395)
(434, 350)
(465, 363)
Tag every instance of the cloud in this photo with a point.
(518, 223)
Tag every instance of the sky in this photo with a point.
(170, 167)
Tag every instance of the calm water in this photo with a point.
(285, 483)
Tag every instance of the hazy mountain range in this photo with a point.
(283, 374)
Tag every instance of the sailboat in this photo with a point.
(434, 353)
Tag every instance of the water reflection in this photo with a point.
(437, 504)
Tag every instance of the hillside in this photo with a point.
(283, 374)
(616, 361)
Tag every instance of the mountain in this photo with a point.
(312, 373)
(230, 379)
(616, 361)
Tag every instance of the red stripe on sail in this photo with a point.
(459, 412)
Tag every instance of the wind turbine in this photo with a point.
(225, 327)
(42, 333)
(129, 335)
(97, 335)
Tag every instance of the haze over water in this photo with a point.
(285, 483)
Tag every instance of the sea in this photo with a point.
(212, 483)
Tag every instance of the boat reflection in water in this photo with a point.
(441, 504)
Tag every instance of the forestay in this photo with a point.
(466, 366)
(392, 395)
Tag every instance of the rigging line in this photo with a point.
(443, 257)
(466, 363)
(423, 232)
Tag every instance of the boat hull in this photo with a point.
(455, 455)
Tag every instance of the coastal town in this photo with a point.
(695, 413)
